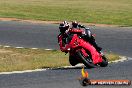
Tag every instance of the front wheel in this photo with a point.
(85, 60)
(104, 63)
(73, 60)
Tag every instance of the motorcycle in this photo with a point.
(81, 51)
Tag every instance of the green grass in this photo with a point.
(117, 12)
(12, 59)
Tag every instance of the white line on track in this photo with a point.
(19, 47)
(123, 58)
(7, 46)
(19, 72)
(48, 49)
(34, 48)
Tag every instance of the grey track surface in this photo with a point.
(30, 35)
(66, 78)
(113, 39)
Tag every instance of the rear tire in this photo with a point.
(85, 61)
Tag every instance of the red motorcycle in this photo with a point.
(81, 51)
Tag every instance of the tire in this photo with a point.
(85, 60)
(104, 63)
(73, 61)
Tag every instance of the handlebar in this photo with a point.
(81, 26)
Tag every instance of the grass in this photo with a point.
(112, 56)
(117, 12)
(12, 59)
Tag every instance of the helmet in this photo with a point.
(74, 24)
(64, 26)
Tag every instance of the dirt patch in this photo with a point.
(5, 51)
(53, 22)
(31, 21)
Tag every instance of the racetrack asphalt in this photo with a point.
(21, 34)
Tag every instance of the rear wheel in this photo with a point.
(87, 61)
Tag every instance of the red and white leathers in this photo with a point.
(62, 38)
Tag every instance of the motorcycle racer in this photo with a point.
(85, 33)
(69, 38)
(64, 28)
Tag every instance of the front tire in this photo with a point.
(104, 63)
(73, 61)
(85, 60)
